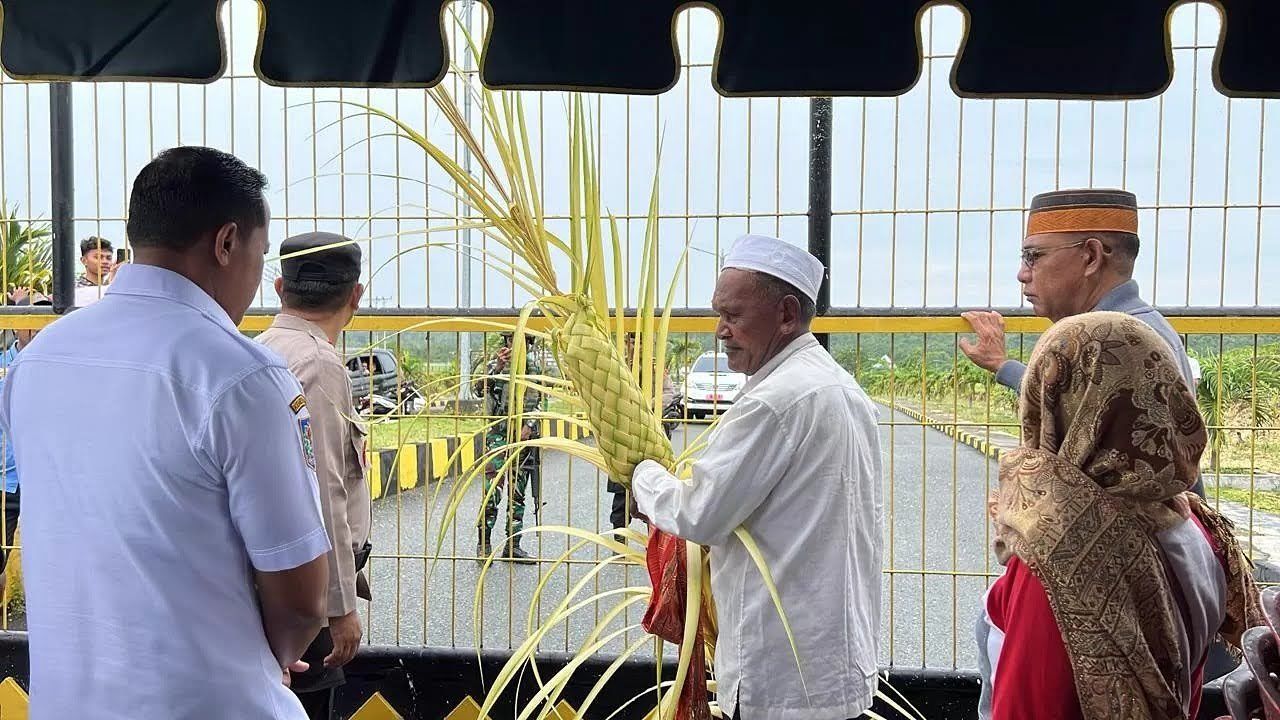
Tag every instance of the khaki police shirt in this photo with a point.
(339, 446)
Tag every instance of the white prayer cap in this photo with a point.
(772, 256)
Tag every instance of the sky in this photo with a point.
(928, 190)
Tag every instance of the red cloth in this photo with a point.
(669, 575)
(1033, 676)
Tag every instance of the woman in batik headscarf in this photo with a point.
(1117, 579)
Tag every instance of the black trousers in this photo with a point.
(318, 704)
(618, 509)
(315, 686)
(12, 505)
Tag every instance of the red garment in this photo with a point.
(669, 576)
(1033, 679)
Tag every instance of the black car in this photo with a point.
(377, 383)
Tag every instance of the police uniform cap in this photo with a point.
(337, 262)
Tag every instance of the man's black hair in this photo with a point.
(92, 243)
(315, 294)
(776, 289)
(187, 192)
(507, 338)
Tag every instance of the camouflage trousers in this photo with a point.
(515, 480)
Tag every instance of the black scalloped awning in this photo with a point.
(1012, 48)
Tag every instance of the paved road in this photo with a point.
(935, 510)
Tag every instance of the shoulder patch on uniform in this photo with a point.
(308, 448)
(297, 404)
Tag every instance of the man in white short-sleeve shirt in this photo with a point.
(174, 555)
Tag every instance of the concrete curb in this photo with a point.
(1266, 482)
(411, 465)
(952, 430)
(1264, 540)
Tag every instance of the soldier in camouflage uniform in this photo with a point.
(494, 390)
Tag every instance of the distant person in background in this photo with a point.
(496, 391)
(319, 294)
(12, 489)
(95, 256)
(99, 270)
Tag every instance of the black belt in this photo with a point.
(362, 555)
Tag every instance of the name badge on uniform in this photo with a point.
(299, 408)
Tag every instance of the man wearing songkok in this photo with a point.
(1078, 255)
(319, 293)
(795, 464)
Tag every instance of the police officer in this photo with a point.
(496, 392)
(175, 552)
(319, 293)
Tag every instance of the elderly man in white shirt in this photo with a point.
(796, 462)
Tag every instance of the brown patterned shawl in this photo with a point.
(1112, 440)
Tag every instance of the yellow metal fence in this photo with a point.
(943, 425)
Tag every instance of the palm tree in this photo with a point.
(1239, 383)
(680, 354)
(26, 253)
(971, 381)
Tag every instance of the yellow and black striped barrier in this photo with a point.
(393, 470)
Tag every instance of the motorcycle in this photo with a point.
(674, 410)
(410, 402)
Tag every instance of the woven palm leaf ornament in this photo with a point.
(613, 397)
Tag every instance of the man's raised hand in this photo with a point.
(987, 351)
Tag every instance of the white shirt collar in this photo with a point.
(803, 342)
(156, 282)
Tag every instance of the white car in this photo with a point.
(710, 386)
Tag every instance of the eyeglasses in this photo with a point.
(1031, 255)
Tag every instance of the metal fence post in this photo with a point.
(62, 181)
(820, 197)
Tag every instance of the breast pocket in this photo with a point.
(358, 452)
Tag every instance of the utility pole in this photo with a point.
(464, 281)
(820, 111)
